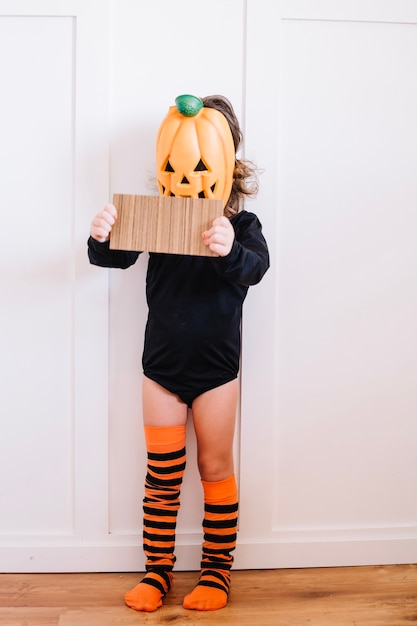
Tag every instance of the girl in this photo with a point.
(190, 361)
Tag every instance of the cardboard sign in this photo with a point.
(167, 224)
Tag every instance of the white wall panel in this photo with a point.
(54, 163)
(347, 302)
(36, 159)
(342, 181)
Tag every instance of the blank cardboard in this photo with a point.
(168, 224)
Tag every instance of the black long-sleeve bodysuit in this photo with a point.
(192, 336)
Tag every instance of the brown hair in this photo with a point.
(245, 175)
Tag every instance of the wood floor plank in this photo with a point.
(347, 596)
(29, 616)
(71, 590)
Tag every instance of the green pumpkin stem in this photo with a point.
(189, 106)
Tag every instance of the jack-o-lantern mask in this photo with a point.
(195, 154)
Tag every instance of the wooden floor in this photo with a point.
(365, 596)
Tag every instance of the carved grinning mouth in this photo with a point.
(200, 167)
(201, 194)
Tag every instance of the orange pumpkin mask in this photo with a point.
(195, 154)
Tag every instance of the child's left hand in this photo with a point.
(220, 236)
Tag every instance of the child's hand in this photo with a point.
(220, 237)
(103, 222)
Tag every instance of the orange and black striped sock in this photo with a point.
(166, 465)
(220, 528)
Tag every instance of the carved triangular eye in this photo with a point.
(168, 167)
(201, 167)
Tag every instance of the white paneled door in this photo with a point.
(53, 359)
(326, 94)
(329, 418)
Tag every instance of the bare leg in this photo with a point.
(214, 414)
(160, 406)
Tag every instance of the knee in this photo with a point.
(214, 468)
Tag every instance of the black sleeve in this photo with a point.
(100, 254)
(248, 259)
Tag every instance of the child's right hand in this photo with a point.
(103, 223)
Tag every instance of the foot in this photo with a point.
(205, 598)
(148, 594)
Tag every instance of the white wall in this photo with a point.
(339, 149)
(54, 154)
(326, 95)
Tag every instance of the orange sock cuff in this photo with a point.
(165, 438)
(221, 491)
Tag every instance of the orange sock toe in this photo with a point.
(204, 598)
(148, 594)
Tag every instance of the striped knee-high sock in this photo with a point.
(220, 528)
(165, 470)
